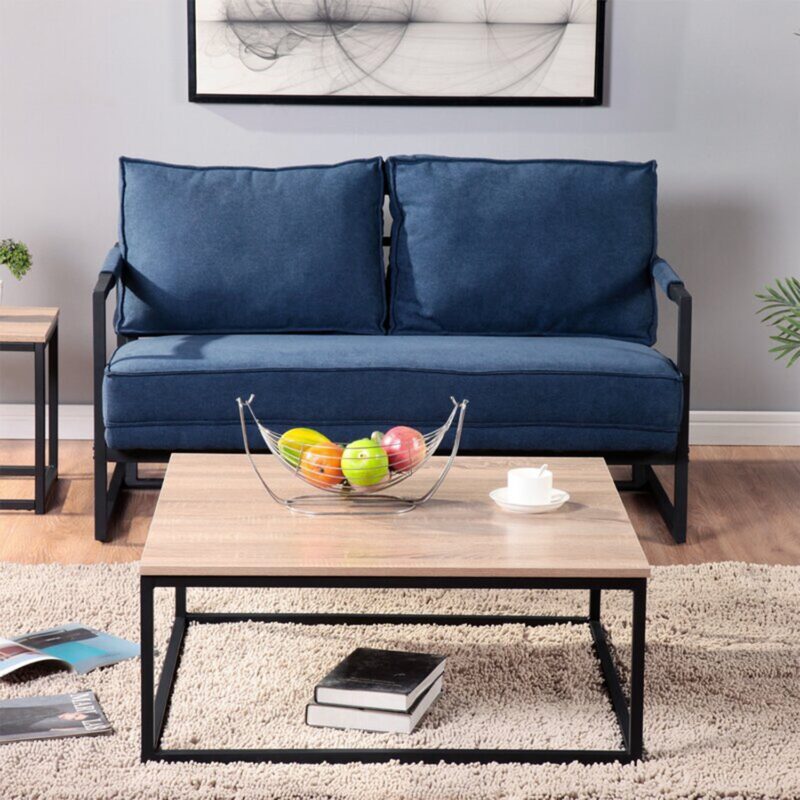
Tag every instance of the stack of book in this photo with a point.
(387, 691)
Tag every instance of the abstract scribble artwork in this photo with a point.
(495, 51)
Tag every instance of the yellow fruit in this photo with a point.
(295, 441)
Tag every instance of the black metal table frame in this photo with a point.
(155, 700)
(44, 474)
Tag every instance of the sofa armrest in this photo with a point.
(110, 273)
(671, 284)
(665, 276)
(106, 281)
(113, 263)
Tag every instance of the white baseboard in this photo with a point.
(745, 427)
(707, 427)
(74, 421)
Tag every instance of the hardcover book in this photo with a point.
(372, 719)
(391, 680)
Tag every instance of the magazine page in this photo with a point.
(76, 714)
(14, 655)
(83, 648)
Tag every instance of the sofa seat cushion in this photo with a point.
(525, 393)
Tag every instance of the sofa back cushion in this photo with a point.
(230, 249)
(522, 247)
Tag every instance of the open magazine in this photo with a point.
(77, 647)
(77, 714)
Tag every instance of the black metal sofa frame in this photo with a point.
(124, 472)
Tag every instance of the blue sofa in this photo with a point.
(526, 286)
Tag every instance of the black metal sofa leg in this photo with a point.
(680, 516)
(637, 482)
(105, 493)
(100, 492)
(133, 481)
(675, 511)
(106, 496)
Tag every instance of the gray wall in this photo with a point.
(710, 88)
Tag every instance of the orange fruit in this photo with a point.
(321, 464)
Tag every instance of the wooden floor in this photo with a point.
(744, 506)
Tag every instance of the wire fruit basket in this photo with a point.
(353, 478)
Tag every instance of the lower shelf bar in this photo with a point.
(384, 619)
(17, 472)
(405, 756)
(26, 472)
(17, 505)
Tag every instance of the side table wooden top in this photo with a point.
(213, 518)
(26, 325)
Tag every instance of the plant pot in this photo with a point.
(1, 293)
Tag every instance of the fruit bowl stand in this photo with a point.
(342, 497)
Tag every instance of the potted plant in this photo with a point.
(781, 310)
(17, 257)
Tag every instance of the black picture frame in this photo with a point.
(595, 99)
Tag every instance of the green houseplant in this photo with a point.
(781, 310)
(17, 257)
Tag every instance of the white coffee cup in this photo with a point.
(529, 486)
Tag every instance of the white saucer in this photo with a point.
(557, 499)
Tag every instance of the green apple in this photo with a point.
(364, 463)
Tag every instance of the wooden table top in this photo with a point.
(26, 325)
(213, 518)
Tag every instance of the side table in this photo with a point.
(35, 330)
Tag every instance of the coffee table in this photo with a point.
(215, 526)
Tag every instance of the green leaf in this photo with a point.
(781, 310)
(794, 358)
(16, 256)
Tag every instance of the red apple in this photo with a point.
(405, 448)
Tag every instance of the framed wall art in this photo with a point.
(470, 52)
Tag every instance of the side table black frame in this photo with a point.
(44, 474)
(155, 697)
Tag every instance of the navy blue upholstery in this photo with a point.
(665, 276)
(526, 393)
(522, 247)
(234, 249)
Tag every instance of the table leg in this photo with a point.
(52, 399)
(180, 602)
(146, 611)
(594, 605)
(40, 470)
(156, 695)
(635, 737)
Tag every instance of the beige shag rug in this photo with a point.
(722, 711)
